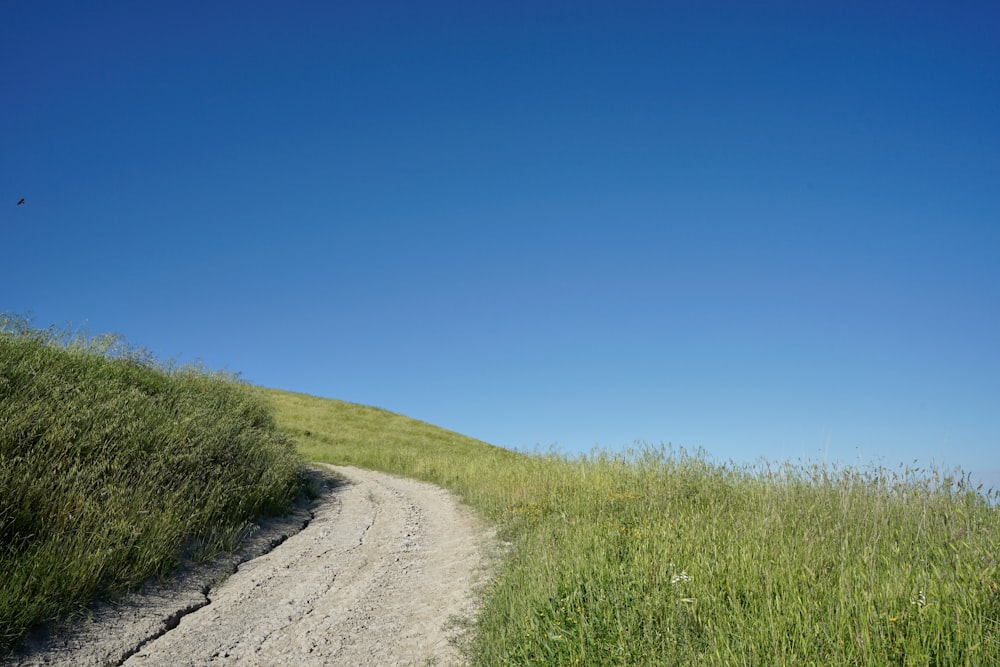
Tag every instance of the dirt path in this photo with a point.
(379, 576)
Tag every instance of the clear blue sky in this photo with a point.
(765, 229)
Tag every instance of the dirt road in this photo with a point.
(378, 576)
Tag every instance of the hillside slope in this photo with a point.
(656, 555)
(114, 469)
(342, 433)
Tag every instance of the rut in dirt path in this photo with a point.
(378, 577)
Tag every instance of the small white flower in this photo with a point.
(680, 578)
(920, 601)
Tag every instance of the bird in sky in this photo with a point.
(21, 201)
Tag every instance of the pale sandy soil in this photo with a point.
(382, 574)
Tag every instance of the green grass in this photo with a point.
(113, 468)
(662, 557)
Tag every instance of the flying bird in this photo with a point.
(20, 202)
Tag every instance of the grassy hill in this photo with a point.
(658, 556)
(113, 468)
(344, 433)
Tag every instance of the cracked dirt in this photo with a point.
(379, 570)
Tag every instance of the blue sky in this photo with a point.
(771, 230)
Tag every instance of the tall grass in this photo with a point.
(657, 556)
(111, 467)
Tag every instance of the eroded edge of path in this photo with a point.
(108, 633)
